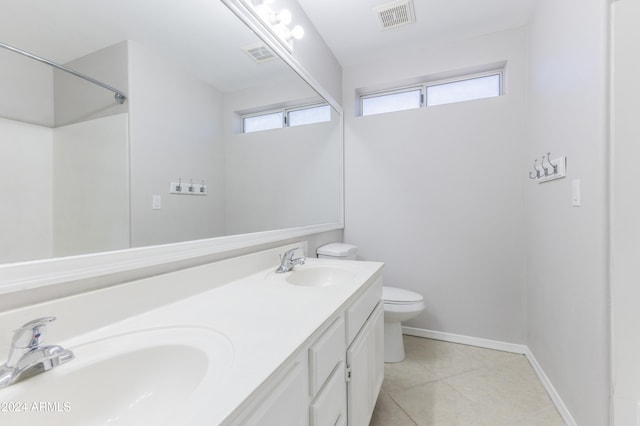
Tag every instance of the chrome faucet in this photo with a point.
(287, 262)
(27, 357)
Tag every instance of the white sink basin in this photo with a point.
(150, 377)
(319, 276)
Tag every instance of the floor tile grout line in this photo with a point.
(461, 349)
(443, 378)
(473, 401)
(402, 409)
(430, 381)
(488, 368)
(482, 362)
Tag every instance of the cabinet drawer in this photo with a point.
(325, 354)
(330, 407)
(358, 313)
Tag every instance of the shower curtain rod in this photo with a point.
(119, 95)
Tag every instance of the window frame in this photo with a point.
(285, 116)
(394, 91)
(288, 111)
(467, 77)
(422, 86)
(243, 117)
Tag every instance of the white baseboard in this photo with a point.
(466, 340)
(500, 346)
(553, 394)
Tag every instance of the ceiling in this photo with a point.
(351, 29)
(200, 36)
(204, 37)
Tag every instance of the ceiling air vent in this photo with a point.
(259, 52)
(395, 14)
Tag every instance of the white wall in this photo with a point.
(280, 178)
(91, 186)
(26, 171)
(436, 193)
(77, 100)
(176, 132)
(625, 219)
(567, 290)
(26, 160)
(27, 89)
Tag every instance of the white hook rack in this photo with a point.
(188, 188)
(547, 169)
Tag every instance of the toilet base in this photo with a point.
(393, 343)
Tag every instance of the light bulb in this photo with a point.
(297, 32)
(283, 17)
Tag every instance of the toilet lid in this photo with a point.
(400, 295)
(337, 250)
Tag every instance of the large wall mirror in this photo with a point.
(83, 174)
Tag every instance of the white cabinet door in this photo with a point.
(286, 402)
(365, 362)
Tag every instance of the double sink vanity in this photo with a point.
(230, 342)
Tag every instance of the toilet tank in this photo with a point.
(339, 251)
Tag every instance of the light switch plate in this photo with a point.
(576, 200)
(156, 202)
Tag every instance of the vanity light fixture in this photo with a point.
(297, 32)
(277, 22)
(283, 17)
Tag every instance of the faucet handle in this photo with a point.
(31, 334)
(289, 253)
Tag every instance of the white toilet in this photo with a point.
(399, 304)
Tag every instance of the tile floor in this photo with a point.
(442, 384)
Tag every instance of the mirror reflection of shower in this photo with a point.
(95, 174)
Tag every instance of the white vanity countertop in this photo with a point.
(265, 319)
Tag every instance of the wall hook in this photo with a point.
(555, 166)
(187, 189)
(535, 168)
(546, 170)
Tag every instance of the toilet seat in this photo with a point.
(400, 296)
(399, 305)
